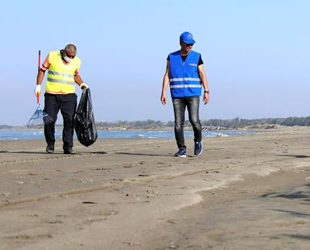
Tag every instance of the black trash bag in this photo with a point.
(84, 120)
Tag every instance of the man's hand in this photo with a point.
(37, 91)
(206, 98)
(163, 99)
(84, 85)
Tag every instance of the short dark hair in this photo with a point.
(71, 48)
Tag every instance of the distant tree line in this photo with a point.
(224, 123)
(5, 127)
(148, 124)
(239, 123)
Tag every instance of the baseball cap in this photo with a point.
(187, 38)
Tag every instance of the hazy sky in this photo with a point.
(256, 54)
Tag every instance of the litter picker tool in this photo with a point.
(39, 118)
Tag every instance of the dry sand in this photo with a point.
(243, 192)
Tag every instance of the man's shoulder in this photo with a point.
(195, 52)
(175, 53)
(55, 52)
(78, 60)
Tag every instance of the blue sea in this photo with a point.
(121, 134)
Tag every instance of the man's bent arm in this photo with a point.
(40, 76)
(203, 79)
(78, 79)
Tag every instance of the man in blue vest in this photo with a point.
(186, 76)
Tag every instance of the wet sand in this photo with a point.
(243, 192)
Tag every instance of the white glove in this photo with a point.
(37, 91)
(84, 85)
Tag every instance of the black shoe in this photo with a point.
(181, 152)
(49, 149)
(198, 148)
(68, 151)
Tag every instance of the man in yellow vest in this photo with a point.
(63, 72)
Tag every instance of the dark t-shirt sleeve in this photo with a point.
(199, 62)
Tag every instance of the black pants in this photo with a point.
(179, 106)
(67, 105)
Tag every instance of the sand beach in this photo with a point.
(244, 192)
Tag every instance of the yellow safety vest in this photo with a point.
(60, 76)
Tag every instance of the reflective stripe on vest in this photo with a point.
(185, 86)
(59, 81)
(60, 76)
(184, 78)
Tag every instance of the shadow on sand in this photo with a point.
(55, 153)
(296, 156)
(299, 193)
(299, 236)
(303, 193)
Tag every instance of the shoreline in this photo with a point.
(6, 135)
(259, 127)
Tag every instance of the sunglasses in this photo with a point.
(72, 57)
(189, 45)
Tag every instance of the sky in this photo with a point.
(256, 55)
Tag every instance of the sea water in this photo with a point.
(110, 134)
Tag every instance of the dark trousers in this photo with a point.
(67, 105)
(179, 106)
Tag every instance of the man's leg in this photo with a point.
(68, 106)
(51, 107)
(179, 110)
(193, 114)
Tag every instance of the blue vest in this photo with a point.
(184, 77)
